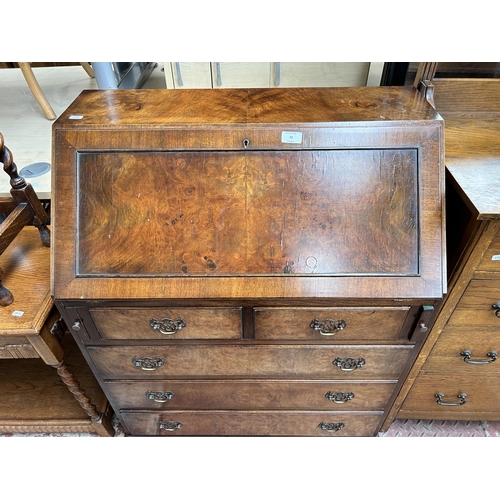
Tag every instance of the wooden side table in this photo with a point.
(32, 398)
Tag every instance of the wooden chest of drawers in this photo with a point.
(249, 262)
(461, 375)
(456, 374)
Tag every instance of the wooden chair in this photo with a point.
(22, 208)
(37, 91)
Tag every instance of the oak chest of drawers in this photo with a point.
(249, 262)
(459, 379)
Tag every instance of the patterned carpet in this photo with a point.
(442, 428)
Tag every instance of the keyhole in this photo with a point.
(246, 142)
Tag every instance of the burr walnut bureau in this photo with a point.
(249, 261)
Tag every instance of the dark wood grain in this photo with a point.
(252, 423)
(277, 323)
(264, 361)
(251, 394)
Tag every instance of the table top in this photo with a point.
(26, 267)
(472, 150)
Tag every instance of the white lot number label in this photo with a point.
(291, 137)
(495, 257)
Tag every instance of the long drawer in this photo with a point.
(466, 350)
(482, 394)
(250, 394)
(322, 323)
(250, 360)
(168, 323)
(251, 423)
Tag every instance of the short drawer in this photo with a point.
(248, 361)
(491, 258)
(250, 394)
(347, 323)
(476, 305)
(251, 423)
(480, 394)
(168, 323)
(473, 350)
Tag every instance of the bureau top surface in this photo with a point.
(160, 108)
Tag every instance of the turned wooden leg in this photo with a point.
(79, 394)
(88, 68)
(36, 90)
(6, 297)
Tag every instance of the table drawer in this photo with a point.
(482, 394)
(251, 423)
(347, 323)
(466, 350)
(491, 258)
(476, 305)
(250, 394)
(249, 360)
(168, 323)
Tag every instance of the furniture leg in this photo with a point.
(79, 394)
(36, 90)
(88, 68)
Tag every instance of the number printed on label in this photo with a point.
(291, 137)
(495, 257)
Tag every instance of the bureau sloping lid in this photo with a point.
(346, 201)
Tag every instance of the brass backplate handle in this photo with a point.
(349, 364)
(331, 426)
(339, 397)
(328, 326)
(167, 326)
(169, 425)
(439, 399)
(159, 396)
(148, 364)
(493, 355)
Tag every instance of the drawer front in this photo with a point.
(325, 324)
(491, 258)
(482, 394)
(164, 395)
(472, 350)
(168, 323)
(265, 361)
(476, 305)
(251, 423)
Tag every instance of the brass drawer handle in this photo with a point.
(348, 364)
(331, 426)
(160, 397)
(169, 425)
(339, 397)
(440, 401)
(328, 326)
(496, 306)
(167, 326)
(467, 355)
(147, 363)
